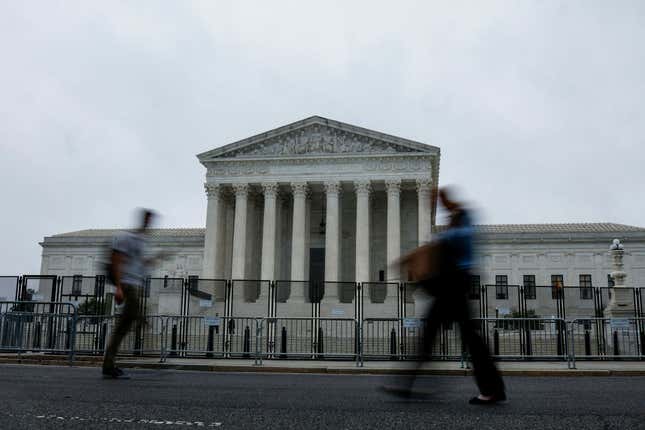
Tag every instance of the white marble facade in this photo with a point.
(359, 197)
(316, 184)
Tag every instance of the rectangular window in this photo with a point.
(557, 285)
(585, 287)
(529, 287)
(77, 285)
(501, 287)
(475, 283)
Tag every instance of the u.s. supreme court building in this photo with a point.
(308, 212)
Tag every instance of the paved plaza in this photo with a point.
(64, 397)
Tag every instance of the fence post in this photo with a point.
(559, 337)
(495, 342)
(73, 340)
(259, 327)
(359, 340)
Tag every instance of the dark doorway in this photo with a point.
(316, 274)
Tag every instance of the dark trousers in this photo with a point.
(129, 315)
(451, 305)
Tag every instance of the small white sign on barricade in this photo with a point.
(337, 312)
(411, 323)
(205, 303)
(504, 311)
(620, 324)
(212, 321)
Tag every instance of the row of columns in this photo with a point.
(363, 189)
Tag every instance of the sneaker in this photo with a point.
(402, 392)
(495, 399)
(114, 373)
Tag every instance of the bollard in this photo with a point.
(173, 341)
(104, 330)
(68, 335)
(283, 344)
(247, 342)
(320, 349)
(393, 345)
(616, 349)
(529, 346)
(211, 341)
(37, 333)
(495, 342)
(559, 339)
(138, 339)
(587, 342)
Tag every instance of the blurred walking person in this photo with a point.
(127, 270)
(444, 269)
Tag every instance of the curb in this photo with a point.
(96, 362)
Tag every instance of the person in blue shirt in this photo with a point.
(449, 287)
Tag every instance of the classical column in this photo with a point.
(362, 189)
(211, 238)
(424, 189)
(269, 231)
(393, 187)
(298, 238)
(332, 235)
(239, 231)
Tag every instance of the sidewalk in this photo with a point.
(508, 368)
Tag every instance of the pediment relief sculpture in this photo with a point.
(317, 139)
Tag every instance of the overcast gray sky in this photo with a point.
(538, 107)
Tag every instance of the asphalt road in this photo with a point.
(62, 397)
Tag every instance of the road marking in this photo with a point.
(149, 421)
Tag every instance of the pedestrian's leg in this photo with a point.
(126, 319)
(487, 377)
(433, 318)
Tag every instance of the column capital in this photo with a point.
(332, 187)
(393, 185)
(299, 189)
(241, 190)
(424, 185)
(363, 187)
(270, 189)
(212, 190)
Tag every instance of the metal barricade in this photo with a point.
(191, 336)
(314, 338)
(403, 339)
(606, 339)
(524, 338)
(146, 337)
(38, 327)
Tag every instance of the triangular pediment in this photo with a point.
(317, 136)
